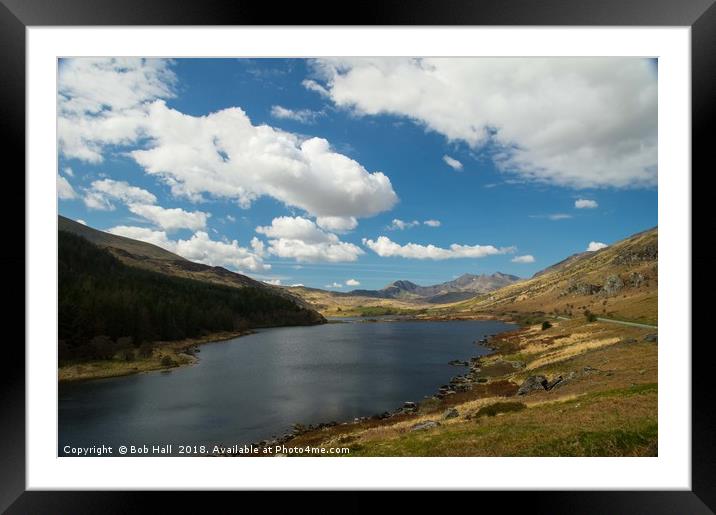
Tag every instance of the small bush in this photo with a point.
(146, 350)
(499, 407)
(102, 347)
(546, 325)
(167, 361)
(591, 317)
(126, 355)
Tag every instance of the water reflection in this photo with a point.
(252, 388)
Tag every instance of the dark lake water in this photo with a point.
(251, 388)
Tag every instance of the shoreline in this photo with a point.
(457, 384)
(182, 353)
(577, 368)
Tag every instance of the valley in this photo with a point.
(586, 345)
(579, 378)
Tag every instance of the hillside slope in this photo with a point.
(334, 303)
(100, 296)
(151, 257)
(138, 249)
(620, 281)
(558, 386)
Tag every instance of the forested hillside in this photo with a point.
(105, 304)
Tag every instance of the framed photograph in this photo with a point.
(422, 251)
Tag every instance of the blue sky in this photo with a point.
(329, 169)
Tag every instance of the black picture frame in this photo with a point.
(16, 15)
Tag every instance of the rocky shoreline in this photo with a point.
(458, 383)
(481, 373)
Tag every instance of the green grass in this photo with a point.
(499, 407)
(639, 389)
(516, 357)
(620, 421)
(617, 442)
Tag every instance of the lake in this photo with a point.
(255, 387)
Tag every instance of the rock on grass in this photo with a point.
(531, 384)
(430, 424)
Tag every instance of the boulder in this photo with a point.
(636, 279)
(430, 424)
(554, 382)
(409, 405)
(581, 288)
(646, 253)
(613, 285)
(451, 413)
(651, 337)
(531, 384)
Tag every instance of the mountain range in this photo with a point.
(464, 287)
(619, 280)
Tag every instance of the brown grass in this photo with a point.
(607, 406)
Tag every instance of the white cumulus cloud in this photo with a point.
(576, 122)
(352, 282)
(65, 191)
(399, 225)
(384, 247)
(102, 194)
(118, 105)
(452, 162)
(297, 115)
(585, 204)
(171, 219)
(337, 223)
(224, 155)
(200, 248)
(312, 85)
(301, 239)
(432, 223)
(527, 258)
(596, 245)
(102, 101)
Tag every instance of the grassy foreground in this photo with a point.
(606, 404)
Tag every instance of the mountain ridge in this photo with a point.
(461, 288)
(618, 281)
(151, 257)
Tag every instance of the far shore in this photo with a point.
(181, 353)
